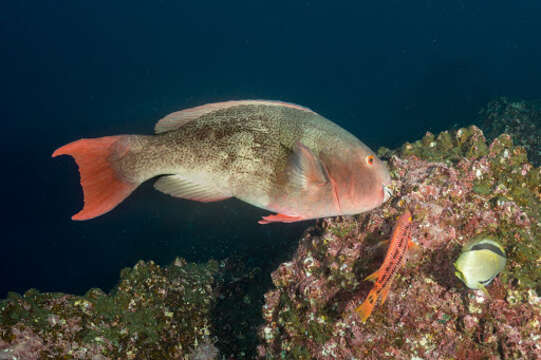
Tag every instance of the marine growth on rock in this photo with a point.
(519, 118)
(457, 186)
(153, 313)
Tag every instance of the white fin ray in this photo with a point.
(177, 186)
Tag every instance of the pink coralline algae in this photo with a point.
(457, 187)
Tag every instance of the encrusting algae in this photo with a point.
(458, 187)
(153, 313)
(520, 119)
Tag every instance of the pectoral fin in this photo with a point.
(305, 169)
(412, 244)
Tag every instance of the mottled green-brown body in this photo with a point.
(286, 159)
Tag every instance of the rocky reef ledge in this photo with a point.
(153, 313)
(457, 186)
(519, 118)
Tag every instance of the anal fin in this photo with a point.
(384, 293)
(178, 186)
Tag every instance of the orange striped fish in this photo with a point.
(394, 259)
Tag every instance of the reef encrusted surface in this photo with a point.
(519, 118)
(457, 186)
(153, 313)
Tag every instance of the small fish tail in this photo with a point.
(103, 187)
(365, 309)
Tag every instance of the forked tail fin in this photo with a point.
(103, 188)
(365, 309)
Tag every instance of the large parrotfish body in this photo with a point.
(277, 156)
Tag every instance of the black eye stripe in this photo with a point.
(490, 247)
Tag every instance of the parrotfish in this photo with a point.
(274, 155)
(394, 259)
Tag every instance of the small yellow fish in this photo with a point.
(480, 262)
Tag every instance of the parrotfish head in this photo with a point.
(362, 181)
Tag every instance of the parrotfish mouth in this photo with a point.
(387, 193)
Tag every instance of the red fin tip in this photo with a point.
(103, 188)
(279, 218)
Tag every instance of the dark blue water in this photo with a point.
(386, 70)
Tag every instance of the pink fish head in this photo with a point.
(360, 180)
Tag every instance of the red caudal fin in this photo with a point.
(103, 188)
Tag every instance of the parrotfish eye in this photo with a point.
(370, 160)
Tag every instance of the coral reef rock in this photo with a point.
(153, 313)
(521, 119)
(457, 186)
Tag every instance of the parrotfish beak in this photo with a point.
(387, 193)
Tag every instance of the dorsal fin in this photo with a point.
(175, 120)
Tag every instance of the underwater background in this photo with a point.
(386, 71)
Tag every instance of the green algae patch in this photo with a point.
(482, 188)
(448, 146)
